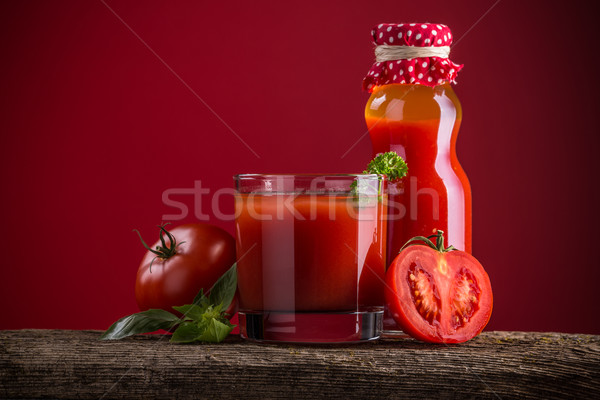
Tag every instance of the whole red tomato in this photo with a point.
(437, 294)
(184, 260)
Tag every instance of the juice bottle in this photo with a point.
(414, 111)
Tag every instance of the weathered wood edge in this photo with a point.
(75, 364)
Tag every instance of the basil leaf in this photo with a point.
(199, 297)
(142, 322)
(216, 331)
(186, 332)
(191, 311)
(224, 288)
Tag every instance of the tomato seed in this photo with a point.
(465, 298)
(425, 294)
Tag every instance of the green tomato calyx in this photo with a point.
(163, 251)
(437, 246)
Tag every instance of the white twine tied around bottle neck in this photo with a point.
(385, 52)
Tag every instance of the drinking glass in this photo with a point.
(311, 257)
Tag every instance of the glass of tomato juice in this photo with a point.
(311, 257)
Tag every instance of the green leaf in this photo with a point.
(224, 288)
(216, 331)
(142, 322)
(187, 332)
(203, 319)
(389, 164)
(199, 297)
(191, 311)
(212, 313)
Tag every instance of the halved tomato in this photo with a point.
(437, 294)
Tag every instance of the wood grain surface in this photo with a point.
(76, 365)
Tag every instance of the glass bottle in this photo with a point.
(414, 111)
(421, 124)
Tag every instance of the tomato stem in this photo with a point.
(165, 251)
(438, 246)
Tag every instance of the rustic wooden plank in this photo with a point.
(74, 364)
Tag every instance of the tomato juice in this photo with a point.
(310, 265)
(421, 125)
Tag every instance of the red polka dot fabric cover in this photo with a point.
(429, 71)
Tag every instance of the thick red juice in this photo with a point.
(309, 265)
(421, 125)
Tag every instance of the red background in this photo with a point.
(94, 127)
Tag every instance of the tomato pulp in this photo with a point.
(319, 255)
(436, 296)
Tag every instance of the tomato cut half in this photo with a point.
(438, 295)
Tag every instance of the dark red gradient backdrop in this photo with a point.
(95, 126)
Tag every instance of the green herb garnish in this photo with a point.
(389, 164)
(204, 320)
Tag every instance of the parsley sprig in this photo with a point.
(389, 164)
